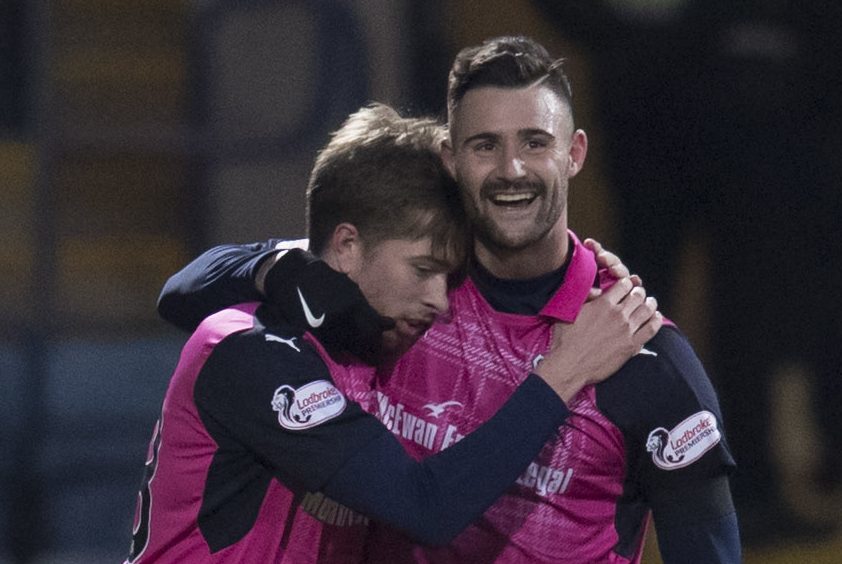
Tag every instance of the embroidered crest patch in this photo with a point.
(308, 406)
(685, 443)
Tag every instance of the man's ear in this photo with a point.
(448, 157)
(345, 252)
(578, 152)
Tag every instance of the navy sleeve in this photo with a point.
(678, 457)
(218, 278)
(711, 540)
(680, 427)
(254, 391)
(259, 394)
(269, 396)
(434, 500)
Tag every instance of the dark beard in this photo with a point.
(485, 230)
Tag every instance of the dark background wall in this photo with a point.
(135, 134)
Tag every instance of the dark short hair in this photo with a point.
(383, 173)
(506, 62)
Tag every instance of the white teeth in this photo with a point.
(513, 198)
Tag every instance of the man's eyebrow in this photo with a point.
(522, 134)
(533, 132)
(436, 260)
(484, 136)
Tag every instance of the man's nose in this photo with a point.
(436, 297)
(511, 166)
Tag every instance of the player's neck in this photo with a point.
(537, 259)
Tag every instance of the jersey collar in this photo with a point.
(565, 304)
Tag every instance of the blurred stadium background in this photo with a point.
(133, 135)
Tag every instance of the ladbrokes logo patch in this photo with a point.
(308, 406)
(685, 443)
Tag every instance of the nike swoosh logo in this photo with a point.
(315, 322)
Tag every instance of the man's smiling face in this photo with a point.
(512, 151)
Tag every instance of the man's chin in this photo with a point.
(396, 344)
(510, 237)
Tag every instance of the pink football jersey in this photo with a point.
(563, 507)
